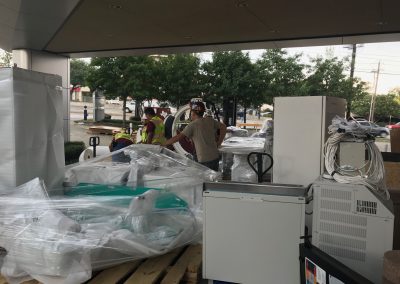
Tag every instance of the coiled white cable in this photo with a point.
(374, 175)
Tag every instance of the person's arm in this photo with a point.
(222, 133)
(151, 128)
(174, 139)
(150, 136)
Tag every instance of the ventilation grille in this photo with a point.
(344, 218)
(368, 207)
(343, 242)
(345, 253)
(335, 194)
(335, 205)
(343, 230)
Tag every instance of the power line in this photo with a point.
(381, 73)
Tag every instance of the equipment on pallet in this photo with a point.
(252, 232)
(107, 213)
(352, 214)
(354, 224)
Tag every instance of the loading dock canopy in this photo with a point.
(81, 28)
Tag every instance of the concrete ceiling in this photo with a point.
(81, 28)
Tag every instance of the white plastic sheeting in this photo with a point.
(234, 157)
(32, 143)
(150, 206)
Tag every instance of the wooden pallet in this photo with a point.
(252, 125)
(182, 265)
(108, 130)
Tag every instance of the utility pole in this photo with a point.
(373, 98)
(353, 63)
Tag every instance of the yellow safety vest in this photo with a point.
(120, 135)
(159, 132)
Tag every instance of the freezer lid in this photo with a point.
(265, 191)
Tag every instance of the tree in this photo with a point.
(386, 106)
(5, 58)
(178, 78)
(327, 79)
(361, 105)
(282, 75)
(396, 93)
(231, 78)
(80, 71)
(123, 77)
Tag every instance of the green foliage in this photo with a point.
(123, 77)
(396, 93)
(281, 75)
(327, 78)
(228, 77)
(385, 106)
(80, 71)
(178, 78)
(72, 151)
(5, 58)
(361, 106)
(232, 75)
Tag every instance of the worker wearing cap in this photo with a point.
(203, 131)
(154, 130)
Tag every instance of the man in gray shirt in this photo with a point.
(203, 131)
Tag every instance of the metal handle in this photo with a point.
(94, 141)
(259, 172)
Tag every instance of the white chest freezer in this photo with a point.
(251, 232)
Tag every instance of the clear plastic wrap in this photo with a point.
(241, 170)
(32, 142)
(60, 236)
(233, 131)
(243, 145)
(234, 157)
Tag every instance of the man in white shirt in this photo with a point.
(204, 133)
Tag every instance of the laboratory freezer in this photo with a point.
(252, 232)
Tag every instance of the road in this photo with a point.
(79, 130)
(76, 110)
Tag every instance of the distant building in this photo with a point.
(81, 94)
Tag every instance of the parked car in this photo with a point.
(130, 106)
(374, 129)
(392, 126)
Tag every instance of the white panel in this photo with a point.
(252, 241)
(300, 125)
(351, 154)
(297, 139)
